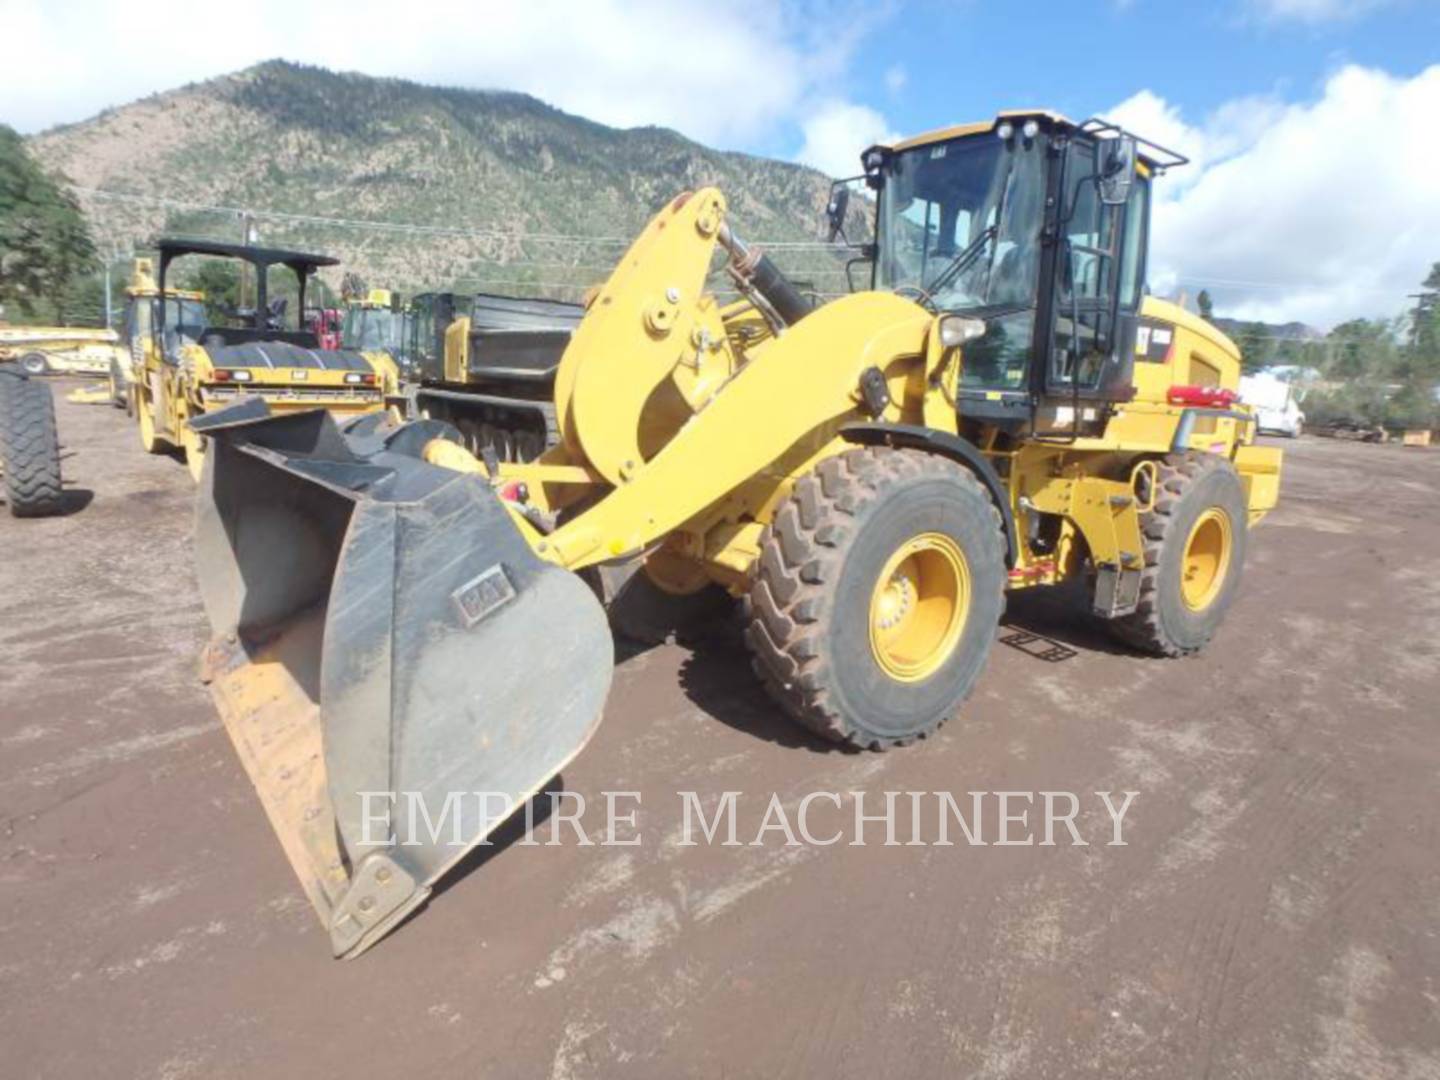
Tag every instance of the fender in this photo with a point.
(957, 449)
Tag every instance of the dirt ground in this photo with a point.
(1273, 913)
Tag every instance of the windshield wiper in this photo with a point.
(962, 260)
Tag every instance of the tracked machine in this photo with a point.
(1004, 408)
(486, 365)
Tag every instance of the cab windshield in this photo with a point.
(185, 322)
(960, 221)
(371, 329)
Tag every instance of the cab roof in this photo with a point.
(955, 131)
(172, 248)
(1157, 157)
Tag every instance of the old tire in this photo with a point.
(1194, 555)
(29, 448)
(35, 364)
(876, 596)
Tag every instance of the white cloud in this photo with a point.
(723, 74)
(1319, 211)
(836, 132)
(1313, 12)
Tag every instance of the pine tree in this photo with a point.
(45, 243)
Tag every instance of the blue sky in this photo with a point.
(1287, 106)
(963, 60)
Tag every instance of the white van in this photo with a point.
(1275, 402)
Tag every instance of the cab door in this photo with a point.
(1099, 282)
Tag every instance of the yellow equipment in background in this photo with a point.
(188, 368)
(143, 311)
(1003, 408)
(373, 322)
(58, 350)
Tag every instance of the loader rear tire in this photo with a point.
(1194, 555)
(29, 448)
(35, 364)
(874, 602)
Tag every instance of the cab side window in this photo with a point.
(1132, 262)
(1086, 275)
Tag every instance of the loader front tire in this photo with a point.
(1194, 554)
(648, 613)
(29, 448)
(875, 599)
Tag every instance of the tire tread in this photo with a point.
(29, 448)
(802, 552)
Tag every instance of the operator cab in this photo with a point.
(269, 319)
(373, 323)
(1036, 227)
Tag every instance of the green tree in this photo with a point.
(1258, 346)
(44, 242)
(1207, 306)
(219, 280)
(1361, 349)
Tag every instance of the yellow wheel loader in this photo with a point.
(410, 641)
(188, 368)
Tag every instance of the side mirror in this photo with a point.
(835, 211)
(1116, 169)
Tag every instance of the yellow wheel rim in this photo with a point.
(919, 607)
(1207, 559)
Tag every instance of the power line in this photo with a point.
(406, 228)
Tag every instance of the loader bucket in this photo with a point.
(396, 668)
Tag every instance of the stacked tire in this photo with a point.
(29, 446)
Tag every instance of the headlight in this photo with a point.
(224, 375)
(1005, 129)
(1030, 129)
(356, 378)
(958, 329)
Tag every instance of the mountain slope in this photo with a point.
(297, 139)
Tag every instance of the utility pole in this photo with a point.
(1421, 306)
(248, 235)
